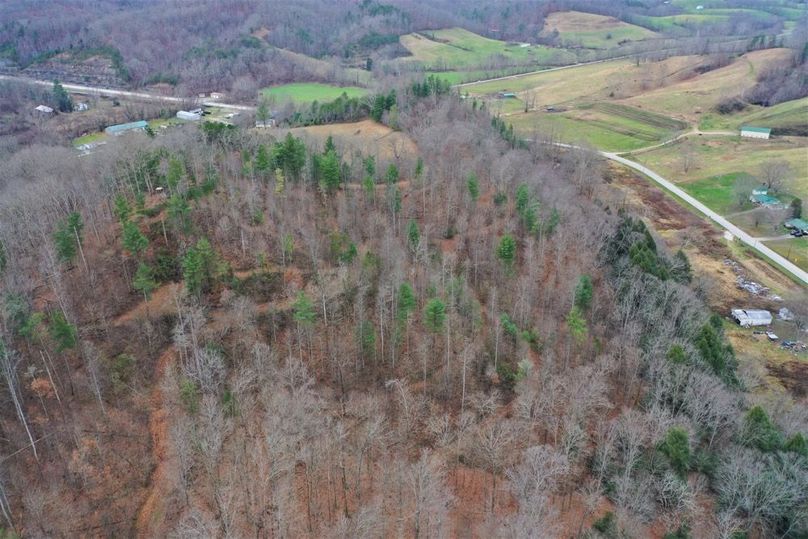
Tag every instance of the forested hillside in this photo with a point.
(222, 332)
(195, 46)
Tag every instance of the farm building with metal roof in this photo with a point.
(755, 132)
(760, 195)
(752, 317)
(123, 128)
(798, 224)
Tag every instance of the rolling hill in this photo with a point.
(575, 28)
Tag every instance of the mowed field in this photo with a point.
(606, 126)
(588, 30)
(456, 48)
(623, 105)
(720, 162)
(306, 92)
(793, 249)
(578, 105)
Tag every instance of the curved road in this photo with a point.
(754, 243)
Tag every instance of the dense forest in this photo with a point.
(222, 332)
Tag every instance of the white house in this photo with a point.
(752, 317)
(755, 132)
(44, 108)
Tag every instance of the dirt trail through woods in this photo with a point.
(161, 302)
(152, 512)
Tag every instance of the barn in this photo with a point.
(752, 317)
(755, 132)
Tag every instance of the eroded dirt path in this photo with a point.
(152, 512)
(161, 302)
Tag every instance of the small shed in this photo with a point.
(755, 132)
(752, 317)
(267, 123)
(123, 128)
(44, 109)
(507, 95)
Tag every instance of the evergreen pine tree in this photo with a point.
(474, 187)
(583, 293)
(413, 235)
(406, 301)
(435, 315)
(62, 332)
(122, 209)
(262, 161)
(61, 98)
(506, 250)
(133, 239)
(303, 307)
(330, 171)
(144, 280)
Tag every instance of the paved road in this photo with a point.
(110, 92)
(754, 243)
